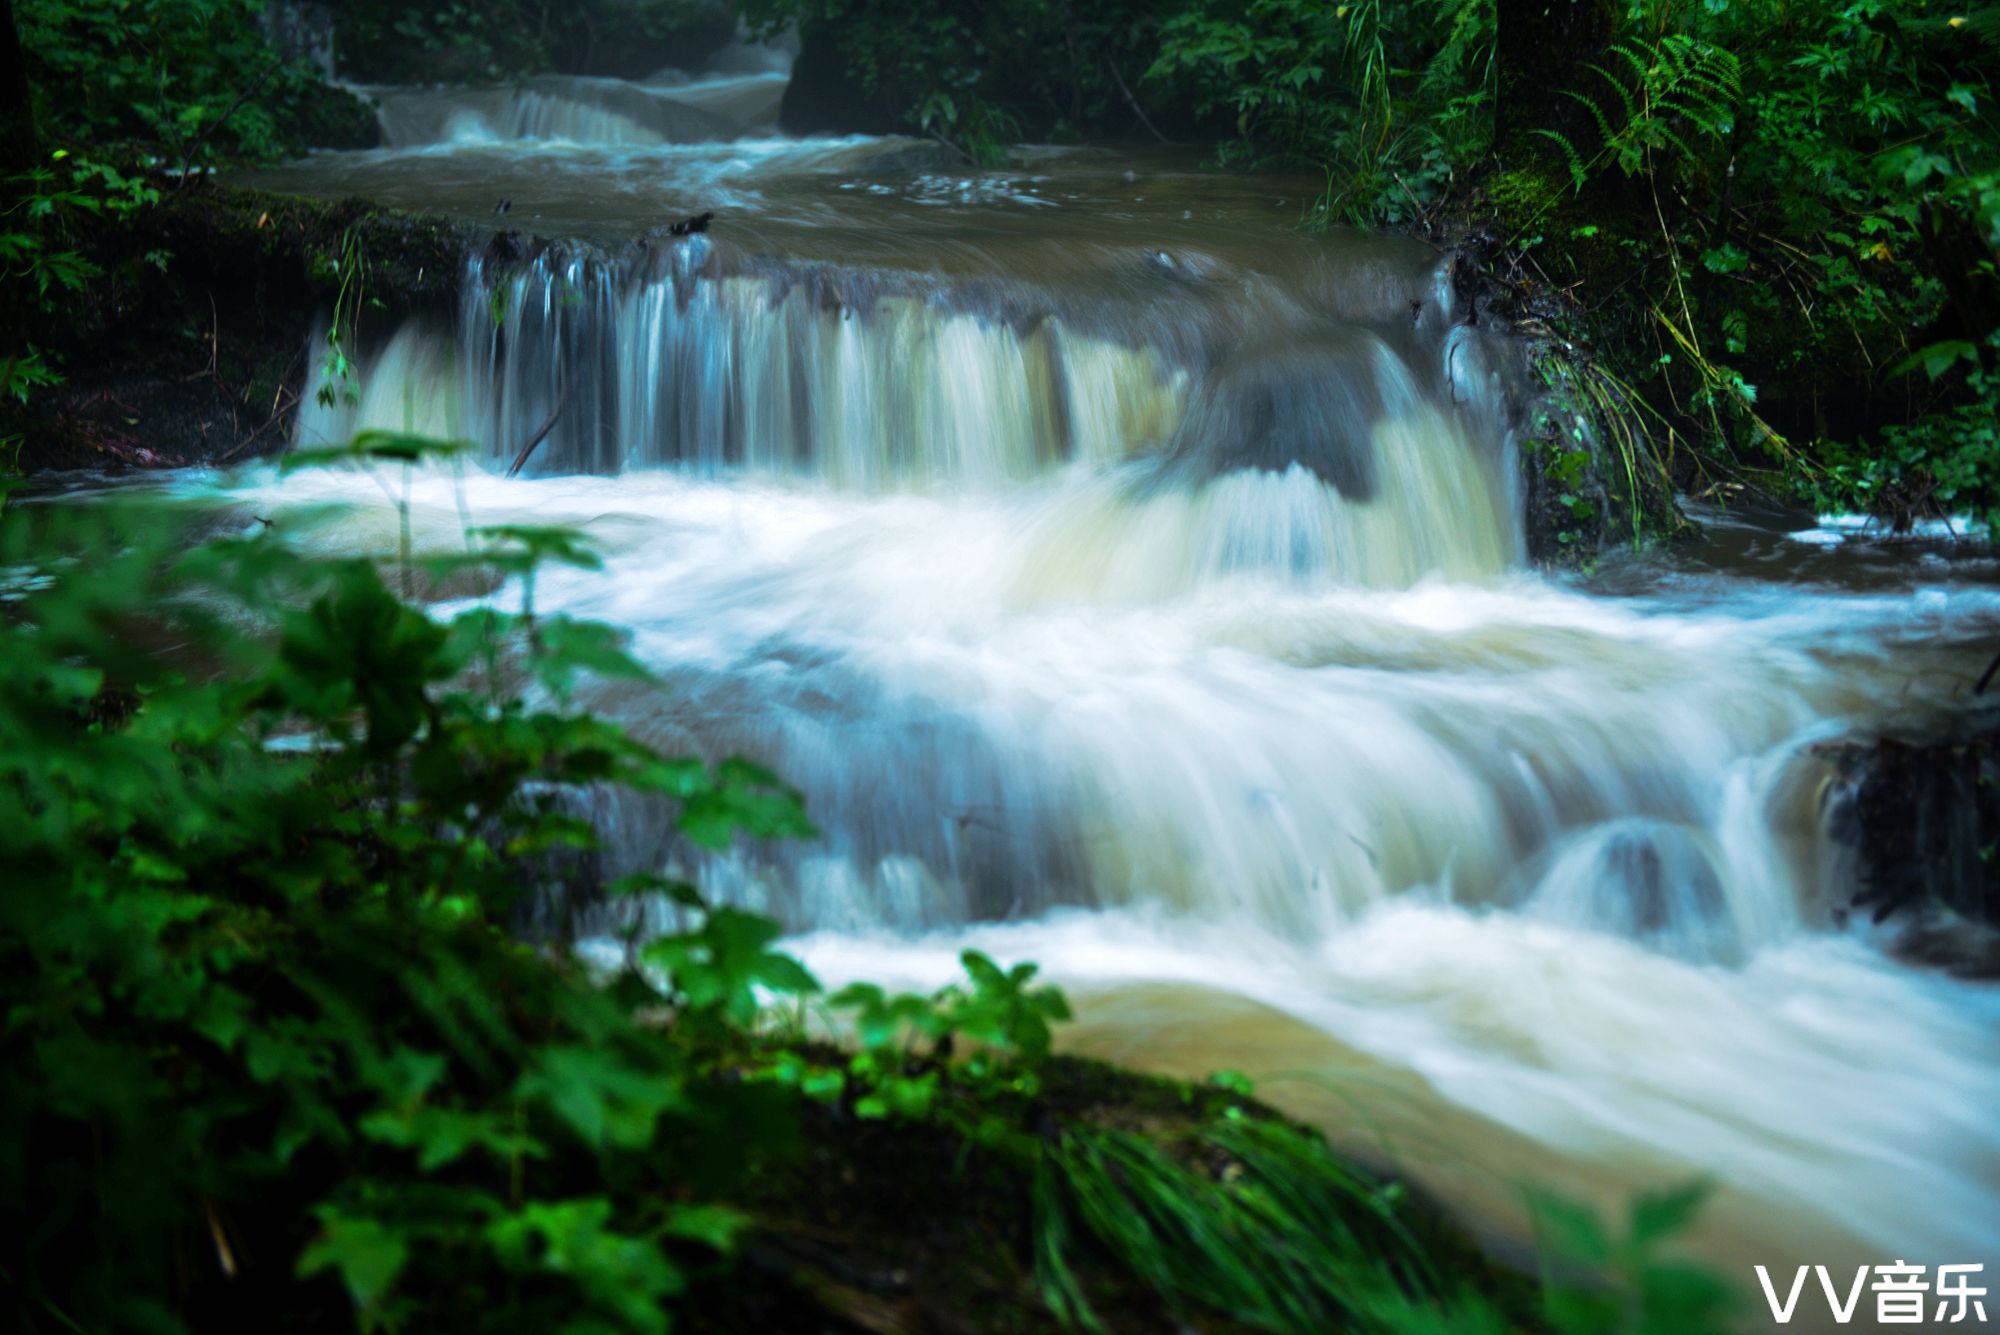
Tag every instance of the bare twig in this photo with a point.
(187, 159)
(521, 459)
(1133, 102)
(1986, 678)
(1423, 214)
(277, 415)
(959, 149)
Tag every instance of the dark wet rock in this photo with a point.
(1940, 939)
(910, 158)
(1308, 399)
(1659, 887)
(331, 116)
(622, 39)
(1652, 882)
(627, 41)
(1921, 817)
(824, 98)
(1589, 483)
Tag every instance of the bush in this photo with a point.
(1804, 204)
(981, 77)
(262, 1009)
(1390, 101)
(380, 41)
(193, 81)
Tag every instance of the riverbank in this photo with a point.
(192, 347)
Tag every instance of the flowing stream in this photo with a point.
(1135, 583)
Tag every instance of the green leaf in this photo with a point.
(1569, 1230)
(543, 543)
(1937, 358)
(716, 1226)
(368, 1255)
(602, 1097)
(1727, 258)
(1662, 1214)
(719, 967)
(1234, 1081)
(367, 446)
(651, 883)
(567, 648)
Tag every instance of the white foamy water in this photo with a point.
(1146, 597)
(1500, 880)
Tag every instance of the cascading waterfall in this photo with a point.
(867, 382)
(576, 110)
(1160, 613)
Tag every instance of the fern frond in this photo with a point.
(1984, 23)
(1579, 172)
(1604, 125)
(1628, 102)
(1670, 93)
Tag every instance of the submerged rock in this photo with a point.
(1309, 400)
(1647, 881)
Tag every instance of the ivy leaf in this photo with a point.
(1937, 358)
(603, 1098)
(367, 1254)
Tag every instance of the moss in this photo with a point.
(192, 347)
(330, 116)
(1521, 196)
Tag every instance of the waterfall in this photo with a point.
(868, 381)
(1147, 596)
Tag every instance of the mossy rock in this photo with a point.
(193, 346)
(882, 1225)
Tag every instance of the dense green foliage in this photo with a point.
(984, 76)
(1783, 219)
(1805, 204)
(39, 268)
(1393, 101)
(253, 948)
(193, 81)
(117, 86)
(383, 41)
